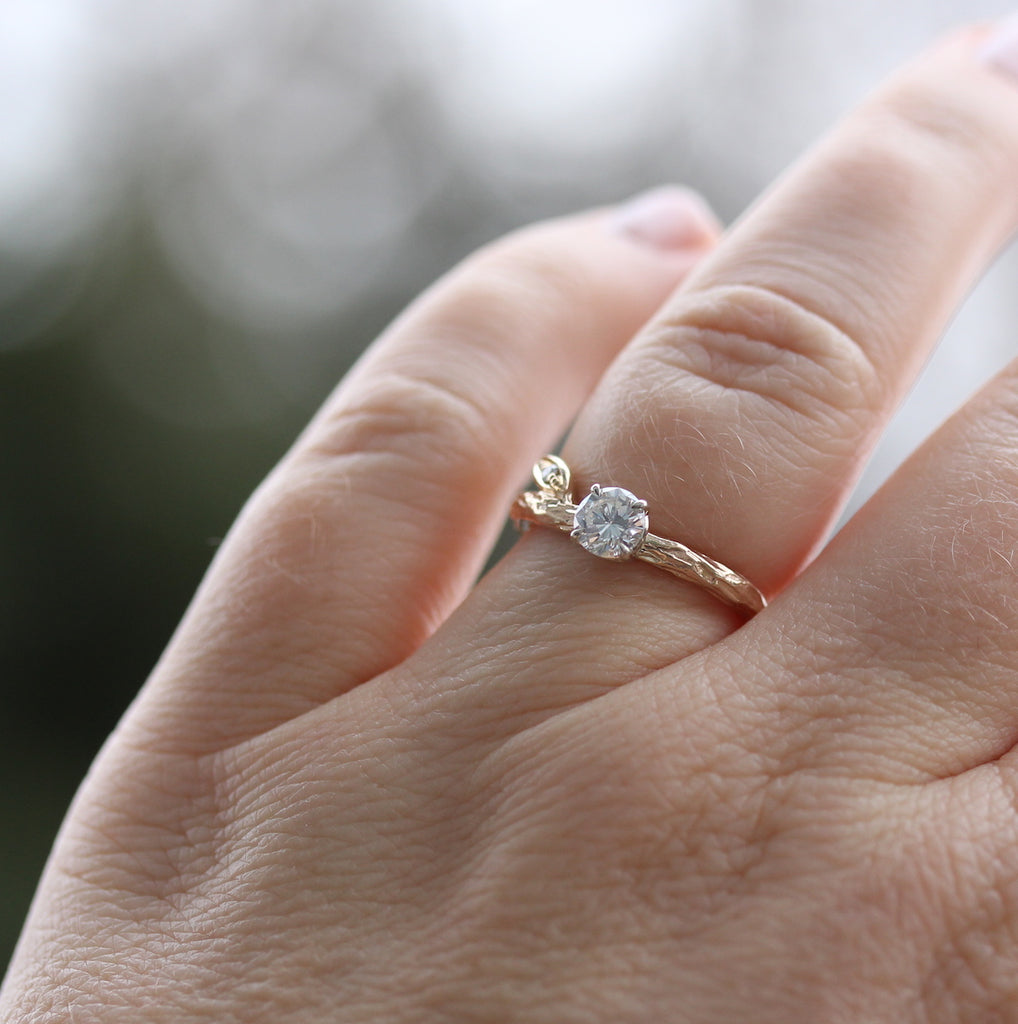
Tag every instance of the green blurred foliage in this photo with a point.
(109, 515)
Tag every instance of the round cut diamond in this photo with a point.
(610, 522)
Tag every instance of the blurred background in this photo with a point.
(209, 207)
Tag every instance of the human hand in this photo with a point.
(354, 789)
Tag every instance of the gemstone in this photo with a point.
(610, 522)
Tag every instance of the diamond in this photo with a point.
(610, 522)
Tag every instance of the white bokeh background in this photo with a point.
(294, 161)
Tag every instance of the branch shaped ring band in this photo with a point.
(613, 523)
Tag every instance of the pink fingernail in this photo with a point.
(1000, 51)
(667, 218)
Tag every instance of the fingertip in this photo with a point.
(670, 218)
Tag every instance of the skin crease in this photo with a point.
(357, 788)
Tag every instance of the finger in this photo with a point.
(780, 360)
(368, 532)
(902, 640)
(744, 412)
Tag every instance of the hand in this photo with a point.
(356, 789)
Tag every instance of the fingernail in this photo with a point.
(1000, 51)
(667, 218)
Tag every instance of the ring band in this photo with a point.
(612, 523)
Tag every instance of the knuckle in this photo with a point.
(375, 447)
(760, 343)
(451, 369)
(919, 128)
(400, 416)
(500, 292)
(532, 274)
(927, 137)
(536, 271)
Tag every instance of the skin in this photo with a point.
(359, 787)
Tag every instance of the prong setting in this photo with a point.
(610, 522)
(623, 532)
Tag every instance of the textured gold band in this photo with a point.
(552, 505)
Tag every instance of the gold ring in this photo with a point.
(613, 523)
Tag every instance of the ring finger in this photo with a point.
(745, 410)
